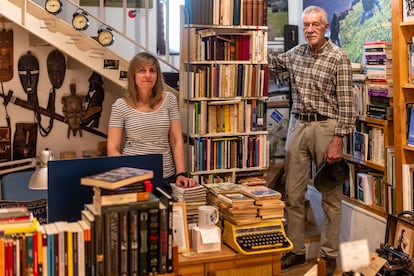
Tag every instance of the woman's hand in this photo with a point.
(185, 182)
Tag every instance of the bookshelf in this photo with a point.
(223, 93)
(403, 33)
(366, 151)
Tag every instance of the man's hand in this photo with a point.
(334, 153)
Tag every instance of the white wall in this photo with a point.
(57, 140)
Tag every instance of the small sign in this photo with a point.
(354, 255)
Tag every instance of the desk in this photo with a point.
(228, 263)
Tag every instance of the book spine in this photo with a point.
(111, 243)
(133, 242)
(163, 239)
(153, 239)
(143, 242)
(123, 234)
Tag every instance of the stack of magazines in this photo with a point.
(193, 197)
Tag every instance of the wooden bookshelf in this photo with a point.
(223, 93)
(403, 33)
(386, 128)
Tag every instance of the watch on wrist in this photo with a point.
(181, 174)
(53, 6)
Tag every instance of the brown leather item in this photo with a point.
(25, 140)
(6, 55)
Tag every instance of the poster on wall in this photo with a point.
(277, 17)
(352, 22)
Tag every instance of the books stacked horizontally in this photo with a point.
(16, 220)
(268, 201)
(119, 186)
(193, 198)
(131, 225)
(243, 204)
(378, 57)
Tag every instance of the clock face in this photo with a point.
(53, 6)
(80, 21)
(105, 37)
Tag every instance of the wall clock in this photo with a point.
(105, 37)
(53, 6)
(80, 21)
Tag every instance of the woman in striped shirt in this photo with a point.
(150, 120)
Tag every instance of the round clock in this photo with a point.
(105, 37)
(53, 6)
(80, 21)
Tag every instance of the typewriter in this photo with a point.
(256, 238)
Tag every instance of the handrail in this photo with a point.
(122, 34)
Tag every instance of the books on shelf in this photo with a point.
(365, 191)
(407, 186)
(360, 146)
(117, 178)
(227, 13)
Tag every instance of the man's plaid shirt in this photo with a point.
(321, 82)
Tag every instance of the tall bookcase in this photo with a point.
(223, 90)
(402, 33)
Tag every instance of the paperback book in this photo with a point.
(117, 178)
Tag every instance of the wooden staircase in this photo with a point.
(75, 44)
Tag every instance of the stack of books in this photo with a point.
(16, 220)
(193, 197)
(268, 201)
(378, 57)
(245, 204)
(119, 186)
(130, 223)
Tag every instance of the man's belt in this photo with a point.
(311, 117)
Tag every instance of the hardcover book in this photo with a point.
(117, 178)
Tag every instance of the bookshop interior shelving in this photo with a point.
(223, 92)
(403, 33)
(377, 167)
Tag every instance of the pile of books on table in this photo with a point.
(193, 197)
(244, 204)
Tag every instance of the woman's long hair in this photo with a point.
(132, 96)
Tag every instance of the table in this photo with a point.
(228, 263)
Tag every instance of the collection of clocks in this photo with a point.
(80, 22)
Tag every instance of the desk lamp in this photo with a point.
(38, 181)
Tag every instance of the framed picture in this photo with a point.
(180, 230)
(400, 233)
(277, 17)
(273, 49)
(403, 240)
